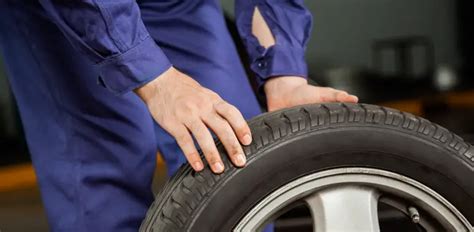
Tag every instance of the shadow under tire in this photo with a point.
(299, 141)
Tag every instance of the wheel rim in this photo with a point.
(346, 199)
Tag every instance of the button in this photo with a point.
(262, 64)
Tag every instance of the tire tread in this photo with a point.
(184, 193)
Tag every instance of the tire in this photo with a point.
(302, 140)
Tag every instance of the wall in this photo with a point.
(8, 120)
(345, 29)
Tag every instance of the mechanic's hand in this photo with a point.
(288, 91)
(183, 107)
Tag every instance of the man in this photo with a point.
(94, 149)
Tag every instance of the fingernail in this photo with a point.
(218, 167)
(198, 166)
(240, 160)
(247, 139)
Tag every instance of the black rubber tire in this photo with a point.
(295, 142)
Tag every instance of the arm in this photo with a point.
(275, 34)
(112, 35)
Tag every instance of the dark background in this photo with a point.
(383, 51)
(414, 55)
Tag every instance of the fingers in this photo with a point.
(343, 96)
(334, 95)
(228, 138)
(206, 142)
(352, 99)
(179, 105)
(186, 143)
(232, 115)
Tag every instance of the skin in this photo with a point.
(185, 109)
(287, 91)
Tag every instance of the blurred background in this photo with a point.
(413, 55)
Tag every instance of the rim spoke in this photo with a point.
(344, 208)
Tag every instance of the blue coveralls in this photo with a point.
(72, 66)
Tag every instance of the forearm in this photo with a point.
(275, 34)
(265, 37)
(261, 30)
(111, 35)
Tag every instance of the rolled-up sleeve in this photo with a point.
(290, 23)
(112, 35)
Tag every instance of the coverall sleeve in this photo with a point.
(111, 34)
(290, 23)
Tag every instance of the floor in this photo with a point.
(21, 209)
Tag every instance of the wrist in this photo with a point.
(150, 89)
(278, 86)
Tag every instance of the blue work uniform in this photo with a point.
(72, 66)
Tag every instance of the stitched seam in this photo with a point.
(118, 57)
(106, 17)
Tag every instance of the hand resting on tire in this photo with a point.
(184, 109)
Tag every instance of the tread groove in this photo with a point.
(185, 193)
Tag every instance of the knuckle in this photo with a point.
(200, 105)
(233, 108)
(210, 115)
(213, 158)
(225, 130)
(229, 135)
(182, 136)
(205, 107)
(186, 111)
(240, 124)
(221, 105)
(170, 123)
(213, 95)
(235, 149)
(207, 145)
(221, 124)
(190, 106)
(195, 127)
(220, 130)
(236, 113)
(228, 139)
(241, 130)
(210, 94)
(183, 139)
(193, 156)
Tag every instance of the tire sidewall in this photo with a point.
(425, 161)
